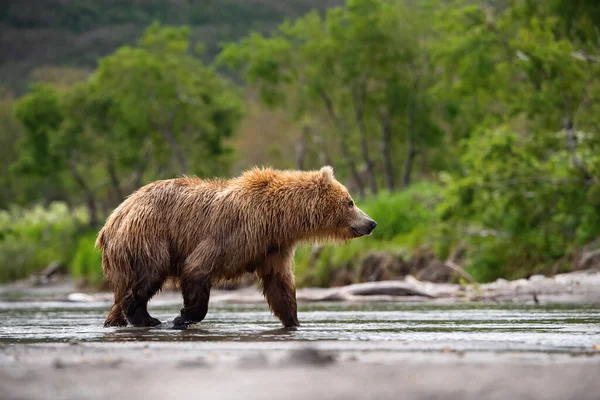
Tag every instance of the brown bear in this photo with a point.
(207, 231)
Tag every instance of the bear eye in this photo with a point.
(350, 203)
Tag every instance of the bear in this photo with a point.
(204, 232)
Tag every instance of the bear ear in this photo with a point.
(326, 175)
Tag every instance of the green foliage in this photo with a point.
(154, 105)
(484, 113)
(359, 76)
(402, 213)
(528, 169)
(86, 264)
(520, 95)
(530, 204)
(159, 92)
(41, 115)
(10, 131)
(30, 239)
(151, 101)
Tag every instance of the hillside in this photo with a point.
(75, 33)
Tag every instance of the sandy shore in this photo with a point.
(155, 371)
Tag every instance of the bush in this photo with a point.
(401, 213)
(87, 262)
(518, 212)
(30, 239)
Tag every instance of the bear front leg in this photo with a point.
(196, 293)
(279, 287)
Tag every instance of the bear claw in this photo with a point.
(116, 323)
(150, 321)
(180, 323)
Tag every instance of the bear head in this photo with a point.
(337, 217)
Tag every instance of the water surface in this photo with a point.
(389, 326)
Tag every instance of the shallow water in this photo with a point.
(397, 326)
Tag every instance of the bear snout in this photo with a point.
(372, 226)
(364, 229)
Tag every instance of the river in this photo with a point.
(59, 350)
(396, 326)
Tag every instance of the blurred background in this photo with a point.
(468, 129)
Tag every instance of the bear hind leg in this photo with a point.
(115, 317)
(196, 294)
(135, 304)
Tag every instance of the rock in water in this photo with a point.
(79, 297)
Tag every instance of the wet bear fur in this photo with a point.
(208, 231)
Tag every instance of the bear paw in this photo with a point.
(180, 323)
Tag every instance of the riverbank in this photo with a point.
(575, 287)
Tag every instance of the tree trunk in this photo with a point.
(386, 149)
(344, 145)
(353, 170)
(410, 150)
(176, 149)
(571, 143)
(301, 148)
(89, 195)
(408, 163)
(324, 157)
(138, 173)
(359, 113)
(323, 154)
(114, 180)
(136, 179)
(423, 159)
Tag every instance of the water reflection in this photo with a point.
(165, 333)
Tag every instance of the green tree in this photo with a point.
(143, 106)
(55, 141)
(159, 90)
(524, 91)
(10, 132)
(363, 70)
